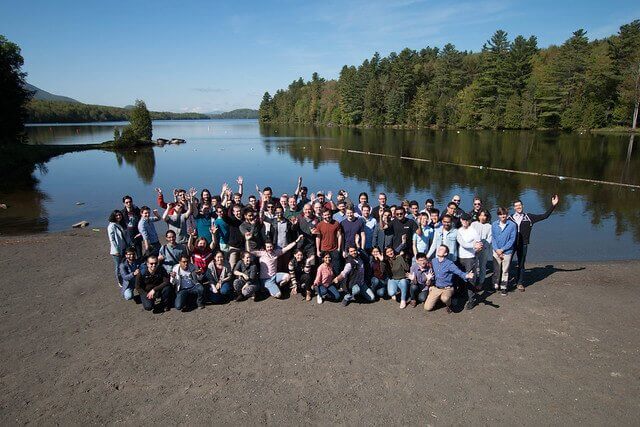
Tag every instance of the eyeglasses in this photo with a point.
(456, 200)
(151, 263)
(477, 204)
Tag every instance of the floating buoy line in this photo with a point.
(545, 175)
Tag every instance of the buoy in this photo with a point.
(79, 203)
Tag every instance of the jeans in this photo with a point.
(117, 259)
(394, 284)
(245, 288)
(362, 290)
(331, 290)
(128, 294)
(501, 270)
(417, 294)
(271, 284)
(225, 291)
(183, 295)
(470, 265)
(154, 249)
(481, 270)
(521, 253)
(166, 295)
(336, 262)
(379, 286)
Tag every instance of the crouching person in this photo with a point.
(300, 273)
(154, 282)
(324, 279)
(186, 278)
(129, 271)
(420, 275)
(246, 278)
(268, 260)
(443, 271)
(218, 278)
(353, 276)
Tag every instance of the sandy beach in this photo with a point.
(565, 351)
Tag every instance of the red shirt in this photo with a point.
(201, 257)
(328, 235)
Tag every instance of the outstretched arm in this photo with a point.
(539, 217)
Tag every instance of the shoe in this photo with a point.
(120, 285)
(346, 300)
(470, 304)
(278, 295)
(319, 299)
(449, 311)
(403, 304)
(201, 306)
(520, 287)
(308, 296)
(496, 286)
(503, 292)
(184, 309)
(239, 298)
(413, 303)
(167, 308)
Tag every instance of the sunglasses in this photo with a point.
(152, 263)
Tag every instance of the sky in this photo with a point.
(205, 56)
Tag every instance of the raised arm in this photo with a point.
(292, 244)
(240, 182)
(539, 217)
(298, 187)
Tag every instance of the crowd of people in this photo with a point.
(218, 249)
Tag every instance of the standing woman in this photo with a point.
(483, 227)
(398, 269)
(503, 233)
(130, 219)
(117, 241)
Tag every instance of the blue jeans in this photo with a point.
(117, 259)
(362, 290)
(225, 291)
(322, 291)
(128, 294)
(271, 284)
(183, 295)
(379, 286)
(394, 284)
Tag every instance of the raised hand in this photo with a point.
(159, 190)
(213, 229)
(240, 180)
(257, 189)
(329, 195)
(555, 199)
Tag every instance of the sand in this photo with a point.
(564, 351)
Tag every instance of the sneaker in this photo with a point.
(403, 304)
(503, 292)
(470, 304)
(413, 303)
(520, 287)
(496, 286)
(167, 308)
(346, 300)
(201, 306)
(319, 299)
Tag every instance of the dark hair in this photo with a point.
(400, 208)
(517, 201)
(448, 216)
(365, 205)
(130, 250)
(247, 210)
(304, 188)
(145, 208)
(324, 254)
(382, 194)
(434, 210)
(298, 250)
(169, 232)
(183, 256)
(414, 203)
(202, 194)
(452, 204)
(363, 194)
(503, 211)
(446, 247)
(420, 255)
(267, 189)
(429, 201)
(390, 247)
(351, 246)
(252, 196)
(127, 197)
(112, 216)
(268, 241)
(216, 198)
(483, 211)
(243, 253)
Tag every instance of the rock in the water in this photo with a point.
(80, 224)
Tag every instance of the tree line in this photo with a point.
(509, 84)
(40, 111)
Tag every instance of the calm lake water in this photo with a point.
(593, 221)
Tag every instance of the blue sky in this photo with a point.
(214, 55)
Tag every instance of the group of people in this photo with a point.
(219, 249)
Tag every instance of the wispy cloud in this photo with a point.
(210, 90)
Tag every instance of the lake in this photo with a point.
(593, 222)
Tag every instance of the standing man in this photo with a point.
(445, 235)
(369, 227)
(524, 222)
(130, 219)
(150, 241)
(329, 239)
(470, 245)
(403, 226)
(353, 227)
(382, 205)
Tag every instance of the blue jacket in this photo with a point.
(451, 242)
(503, 239)
(443, 272)
(126, 272)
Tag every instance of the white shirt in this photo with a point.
(467, 238)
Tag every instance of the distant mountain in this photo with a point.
(43, 95)
(241, 113)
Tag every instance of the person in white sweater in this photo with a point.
(117, 242)
(186, 281)
(483, 227)
(469, 245)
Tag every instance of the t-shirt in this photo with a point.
(339, 216)
(268, 263)
(178, 223)
(328, 235)
(351, 229)
(223, 231)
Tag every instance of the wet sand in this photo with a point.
(565, 351)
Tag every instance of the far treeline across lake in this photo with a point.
(510, 84)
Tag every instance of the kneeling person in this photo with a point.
(246, 277)
(268, 260)
(185, 277)
(443, 270)
(353, 275)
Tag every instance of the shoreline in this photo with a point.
(74, 352)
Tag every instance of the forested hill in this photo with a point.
(510, 84)
(40, 111)
(241, 113)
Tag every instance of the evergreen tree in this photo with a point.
(14, 96)
(141, 122)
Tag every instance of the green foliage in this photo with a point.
(141, 121)
(510, 84)
(14, 96)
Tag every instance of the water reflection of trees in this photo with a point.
(603, 157)
(143, 160)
